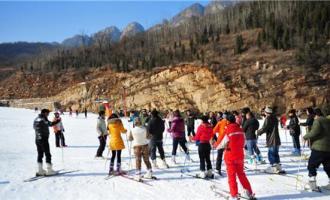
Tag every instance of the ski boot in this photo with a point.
(251, 160)
(260, 160)
(41, 171)
(249, 195)
(209, 174)
(111, 170)
(312, 184)
(154, 163)
(164, 164)
(201, 174)
(326, 187)
(148, 175)
(173, 159)
(50, 170)
(137, 176)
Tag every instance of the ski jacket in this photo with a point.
(115, 127)
(177, 128)
(319, 136)
(190, 121)
(293, 126)
(309, 122)
(59, 126)
(220, 128)
(204, 133)
(138, 136)
(283, 120)
(270, 127)
(156, 127)
(234, 150)
(41, 127)
(250, 127)
(101, 127)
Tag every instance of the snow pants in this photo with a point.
(142, 152)
(235, 168)
(154, 145)
(43, 148)
(176, 142)
(191, 131)
(204, 150)
(59, 136)
(316, 159)
(219, 159)
(102, 140)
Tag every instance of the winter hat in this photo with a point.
(231, 118)
(205, 119)
(269, 110)
(154, 112)
(44, 111)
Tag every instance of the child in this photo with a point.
(140, 145)
(203, 136)
(115, 127)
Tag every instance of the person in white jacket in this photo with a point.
(101, 129)
(139, 137)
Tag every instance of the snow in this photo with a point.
(18, 162)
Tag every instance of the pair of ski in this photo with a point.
(282, 172)
(125, 175)
(226, 194)
(58, 173)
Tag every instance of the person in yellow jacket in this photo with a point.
(220, 128)
(116, 144)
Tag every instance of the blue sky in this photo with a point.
(46, 21)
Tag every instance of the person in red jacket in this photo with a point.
(234, 157)
(203, 136)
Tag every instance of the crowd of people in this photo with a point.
(234, 136)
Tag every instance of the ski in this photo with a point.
(132, 178)
(59, 173)
(226, 194)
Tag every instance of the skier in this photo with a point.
(41, 126)
(59, 130)
(294, 130)
(177, 131)
(115, 127)
(283, 120)
(101, 129)
(144, 117)
(203, 137)
(234, 157)
(309, 120)
(220, 128)
(250, 126)
(70, 111)
(238, 118)
(319, 137)
(156, 127)
(139, 137)
(273, 141)
(77, 113)
(190, 122)
(85, 111)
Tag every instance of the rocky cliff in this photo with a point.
(183, 86)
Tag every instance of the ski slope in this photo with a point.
(18, 162)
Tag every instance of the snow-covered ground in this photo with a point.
(18, 162)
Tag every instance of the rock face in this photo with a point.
(195, 10)
(111, 33)
(194, 86)
(77, 41)
(131, 30)
(214, 7)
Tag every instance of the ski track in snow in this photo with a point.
(18, 162)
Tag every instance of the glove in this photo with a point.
(63, 130)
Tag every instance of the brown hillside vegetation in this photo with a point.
(254, 78)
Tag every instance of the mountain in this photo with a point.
(195, 10)
(11, 53)
(214, 7)
(111, 33)
(77, 41)
(131, 30)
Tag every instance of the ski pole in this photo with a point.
(106, 160)
(62, 157)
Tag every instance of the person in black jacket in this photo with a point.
(41, 126)
(309, 120)
(190, 122)
(294, 130)
(250, 126)
(155, 128)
